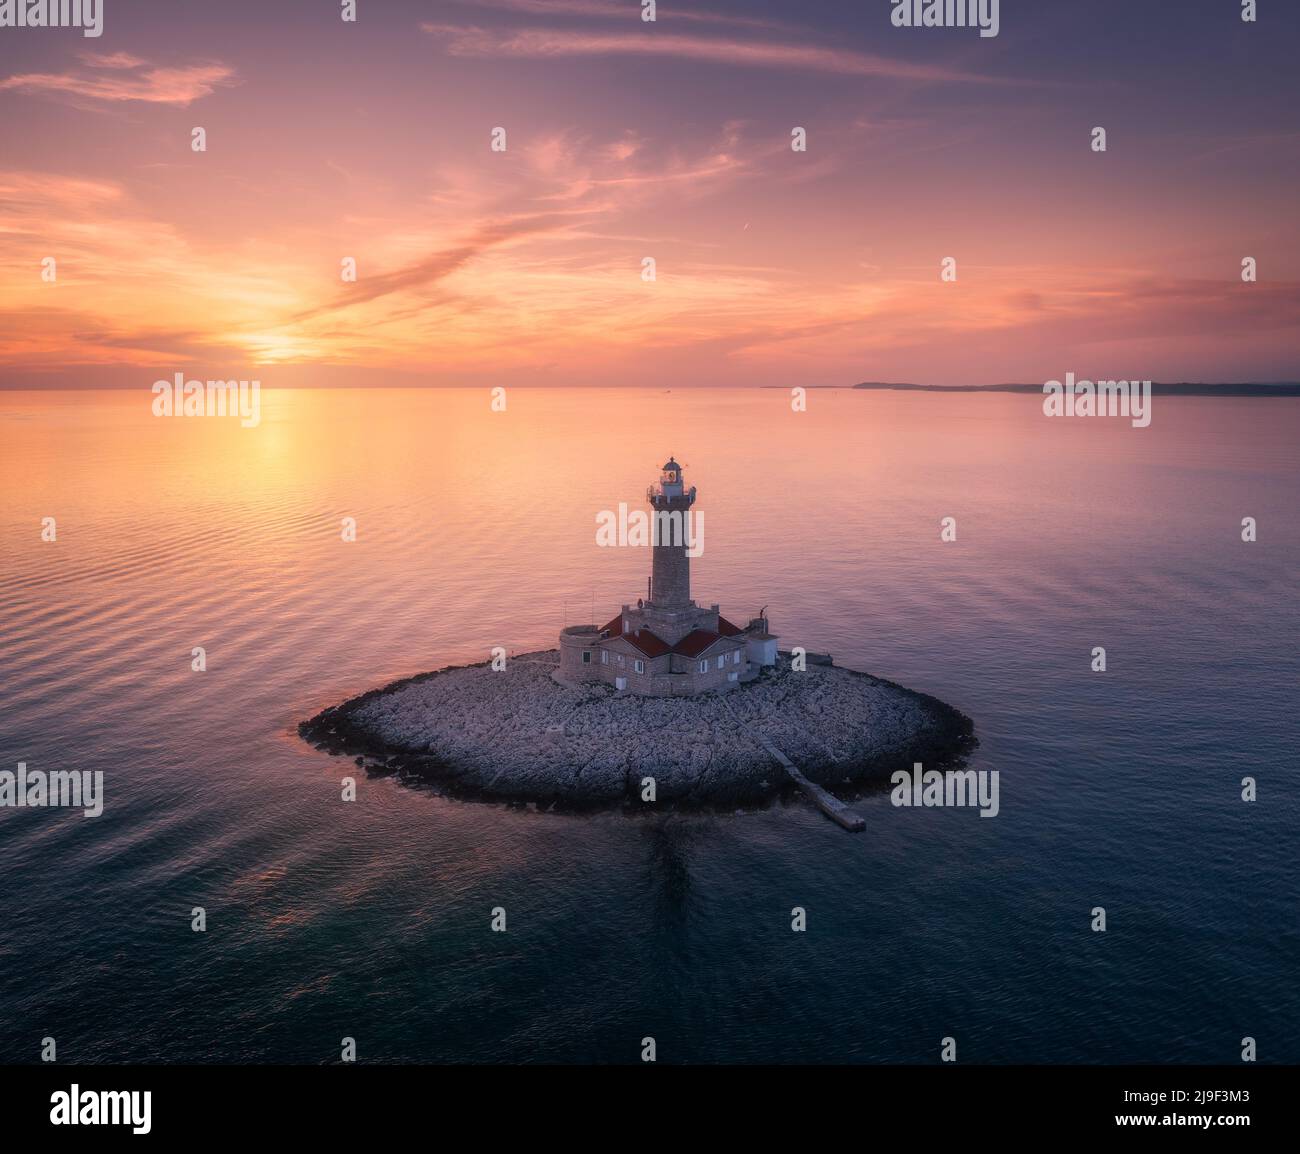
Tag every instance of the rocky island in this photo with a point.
(524, 734)
(668, 702)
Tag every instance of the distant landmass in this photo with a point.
(1168, 388)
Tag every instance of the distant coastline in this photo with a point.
(1167, 389)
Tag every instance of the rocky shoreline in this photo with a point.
(522, 735)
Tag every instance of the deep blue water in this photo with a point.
(372, 919)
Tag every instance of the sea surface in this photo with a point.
(371, 919)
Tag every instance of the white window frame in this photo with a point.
(586, 657)
(704, 666)
(639, 666)
(604, 657)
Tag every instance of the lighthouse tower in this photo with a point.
(670, 571)
(666, 645)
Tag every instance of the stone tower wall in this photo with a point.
(574, 642)
(671, 567)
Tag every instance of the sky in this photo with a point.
(671, 140)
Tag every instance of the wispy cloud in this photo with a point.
(606, 177)
(437, 266)
(547, 43)
(614, 10)
(112, 60)
(120, 77)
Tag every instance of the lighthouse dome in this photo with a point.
(670, 480)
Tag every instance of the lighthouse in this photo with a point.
(670, 571)
(666, 645)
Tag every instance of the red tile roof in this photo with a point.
(696, 642)
(652, 645)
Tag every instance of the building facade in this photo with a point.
(666, 645)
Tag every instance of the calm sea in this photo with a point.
(474, 529)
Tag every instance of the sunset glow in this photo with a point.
(627, 140)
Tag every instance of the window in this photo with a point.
(735, 658)
(639, 666)
(586, 657)
(733, 676)
(604, 657)
(620, 659)
(721, 658)
(704, 665)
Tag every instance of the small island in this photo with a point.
(668, 702)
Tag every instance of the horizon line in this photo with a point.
(1189, 388)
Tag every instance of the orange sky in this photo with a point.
(625, 141)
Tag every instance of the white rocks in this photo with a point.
(520, 734)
